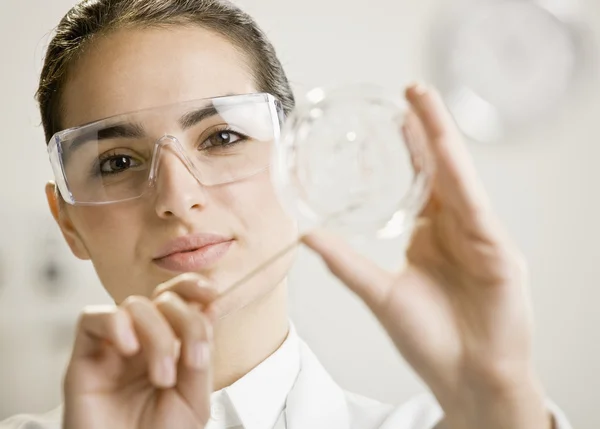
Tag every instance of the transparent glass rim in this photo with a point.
(413, 201)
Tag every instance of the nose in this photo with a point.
(178, 193)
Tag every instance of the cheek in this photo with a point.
(110, 237)
(258, 210)
(107, 229)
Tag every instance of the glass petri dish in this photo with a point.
(352, 159)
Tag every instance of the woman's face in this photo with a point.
(134, 69)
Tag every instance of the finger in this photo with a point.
(416, 139)
(420, 157)
(101, 325)
(365, 278)
(157, 339)
(191, 287)
(457, 185)
(194, 375)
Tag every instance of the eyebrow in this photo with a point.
(134, 130)
(127, 131)
(194, 117)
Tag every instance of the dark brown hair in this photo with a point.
(92, 18)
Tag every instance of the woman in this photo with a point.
(169, 108)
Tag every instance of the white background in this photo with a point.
(543, 184)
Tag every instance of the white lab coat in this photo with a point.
(317, 402)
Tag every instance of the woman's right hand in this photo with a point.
(144, 364)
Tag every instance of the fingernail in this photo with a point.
(167, 371)
(199, 355)
(419, 88)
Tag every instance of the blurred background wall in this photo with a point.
(543, 182)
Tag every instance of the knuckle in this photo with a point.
(94, 313)
(183, 278)
(166, 299)
(135, 301)
(161, 288)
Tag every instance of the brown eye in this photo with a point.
(222, 139)
(117, 164)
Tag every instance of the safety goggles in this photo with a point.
(219, 140)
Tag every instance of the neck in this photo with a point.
(247, 337)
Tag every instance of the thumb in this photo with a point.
(363, 276)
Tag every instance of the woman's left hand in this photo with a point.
(459, 312)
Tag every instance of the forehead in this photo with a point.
(133, 69)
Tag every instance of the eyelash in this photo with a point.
(241, 138)
(106, 157)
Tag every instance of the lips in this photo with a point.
(192, 252)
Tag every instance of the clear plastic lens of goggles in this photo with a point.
(117, 159)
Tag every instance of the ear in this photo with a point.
(62, 218)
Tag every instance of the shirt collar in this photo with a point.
(258, 398)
